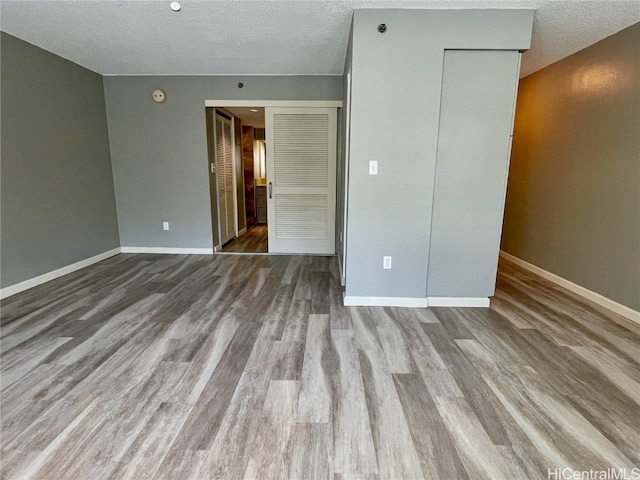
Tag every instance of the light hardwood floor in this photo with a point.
(255, 240)
(232, 367)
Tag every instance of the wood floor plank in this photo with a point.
(111, 438)
(205, 361)
(339, 314)
(71, 432)
(353, 441)
(622, 373)
(229, 454)
(44, 325)
(481, 458)
(249, 366)
(320, 297)
(254, 240)
(205, 419)
(291, 347)
(396, 454)
(314, 403)
(18, 363)
(270, 458)
(312, 452)
(434, 445)
(425, 357)
(394, 344)
(477, 394)
(548, 422)
(180, 464)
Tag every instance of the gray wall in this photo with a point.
(159, 151)
(57, 198)
(395, 101)
(573, 198)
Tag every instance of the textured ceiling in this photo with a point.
(253, 119)
(266, 37)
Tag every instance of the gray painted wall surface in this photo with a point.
(57, 199)
(395, 104)
(471, 171)
(573, 198)
(159, 151)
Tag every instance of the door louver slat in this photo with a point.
(302, 149)
(226, 210)
(301, 216)
(301, 155)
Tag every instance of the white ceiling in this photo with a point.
(253, 119)
(266, 37)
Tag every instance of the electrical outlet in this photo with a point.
(165, 225)
(373, 167)
(386, 263)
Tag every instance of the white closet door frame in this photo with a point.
(218, 173)
(311, 245)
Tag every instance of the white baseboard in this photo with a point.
(350, 301)
(575, 288)
(168, 250)
(47, 277)
(458, 301)
(244, 253)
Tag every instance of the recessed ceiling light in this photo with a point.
(254, 110)
(175, 6)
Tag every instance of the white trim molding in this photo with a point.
(52, 275)
(245, 253)
(274, 103)
(575, 288)
(458, 301)
(350, 301)
(168, 250)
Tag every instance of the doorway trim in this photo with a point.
(271, 103)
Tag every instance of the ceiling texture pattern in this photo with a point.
(267, 37)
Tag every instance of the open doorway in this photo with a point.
(249, 178)
(286, 176)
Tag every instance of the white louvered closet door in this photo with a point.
(301, 179)
(224, 175)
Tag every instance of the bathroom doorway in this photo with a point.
(251, 180)
(284, 177)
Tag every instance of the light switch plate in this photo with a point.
(373, 167)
